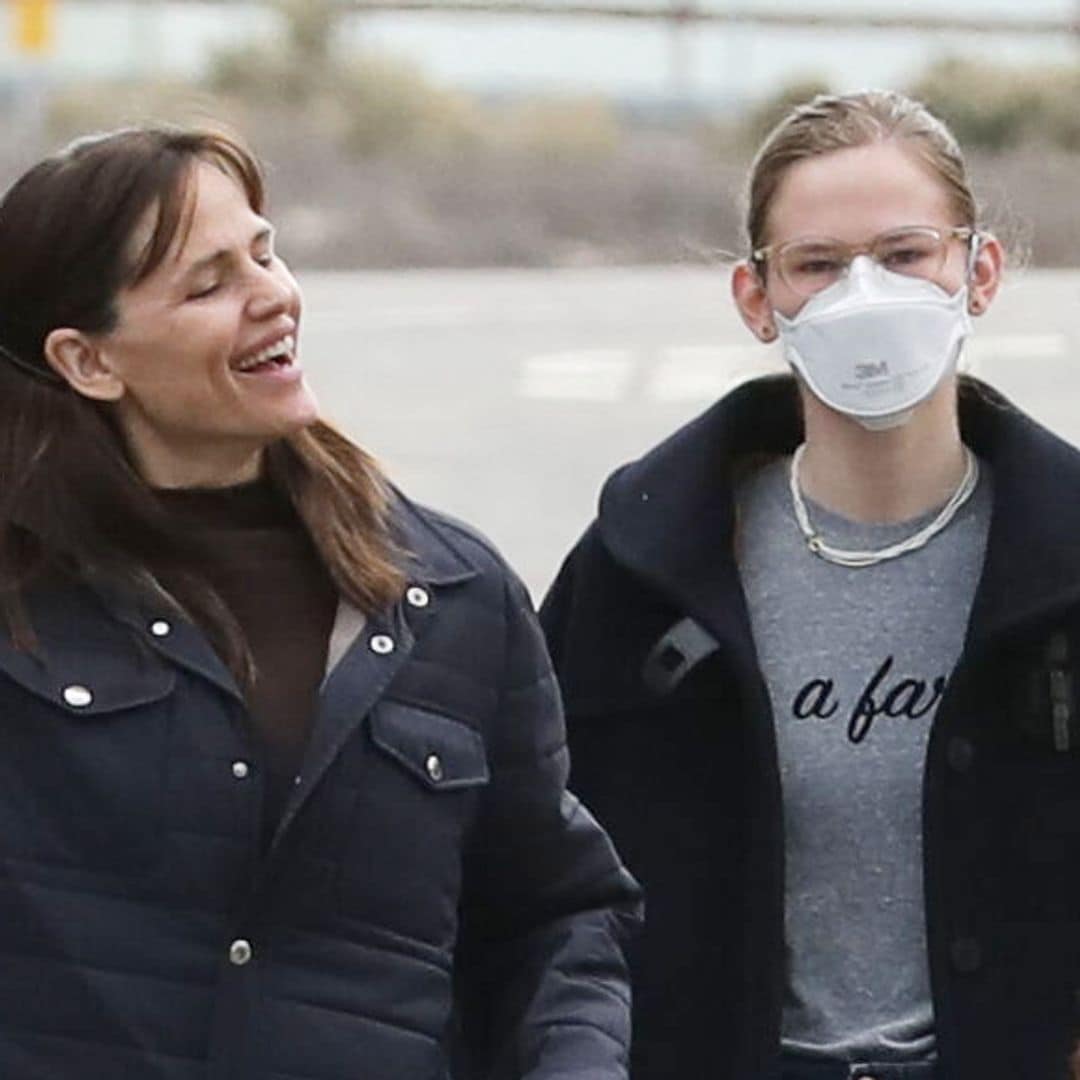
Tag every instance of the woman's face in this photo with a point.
(202, 366)
(854, 195)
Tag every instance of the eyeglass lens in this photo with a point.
(810, 265)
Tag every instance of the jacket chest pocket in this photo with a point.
(82, 773)
(418, 779)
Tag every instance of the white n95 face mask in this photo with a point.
(875, 344)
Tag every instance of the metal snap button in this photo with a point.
(382, 644)
(240, 769)
(240, 952)
(434, 767)
(417, 596)
(160, 628)
(78, 697)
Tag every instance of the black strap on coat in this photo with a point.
(680, 648)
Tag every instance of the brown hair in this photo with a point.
(839, 122)
(71, 501)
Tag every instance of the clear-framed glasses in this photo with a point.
(808, 264)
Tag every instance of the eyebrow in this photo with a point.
(224, 254)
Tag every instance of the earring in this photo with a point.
(767, 333)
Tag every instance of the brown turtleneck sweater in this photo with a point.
(265, 568)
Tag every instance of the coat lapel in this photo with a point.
(171, 635)
(369, 665)
(1032, 566)
(348, 695)
(669, 517)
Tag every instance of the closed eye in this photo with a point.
(207, 290)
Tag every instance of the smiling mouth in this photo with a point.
(278, 355)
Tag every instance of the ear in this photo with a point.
(985, 274)
(79, 360)
(748, 291)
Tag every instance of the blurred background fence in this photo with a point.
(585, 137)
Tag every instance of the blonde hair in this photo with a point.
(841, 121)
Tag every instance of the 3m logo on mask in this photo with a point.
(869, 370)
(875, 344)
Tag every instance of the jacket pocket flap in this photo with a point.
(443, 754)
(90, 678)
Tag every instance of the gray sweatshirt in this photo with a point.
(856, 661)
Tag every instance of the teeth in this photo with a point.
(284, 347)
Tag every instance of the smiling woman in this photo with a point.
(138, 281)
(270, 733)
(201, 360)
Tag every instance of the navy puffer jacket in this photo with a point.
(434, 903)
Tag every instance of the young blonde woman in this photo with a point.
(819, 652)
(282, 766)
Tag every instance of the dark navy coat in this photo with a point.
(432, 895)
(673, 748)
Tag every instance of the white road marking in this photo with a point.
(585, 375)
(369, 315)
(706, 372)
(980, 350)
(413, 316)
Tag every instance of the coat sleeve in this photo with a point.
(546, 904)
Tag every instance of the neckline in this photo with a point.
(893, 539)
(254, 504)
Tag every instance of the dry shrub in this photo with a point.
(81, 107)
(391, 107)
(372, 164)
(575, 130)
(998, 107)
(765, 115)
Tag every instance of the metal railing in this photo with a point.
(687, 11)
(690, 12)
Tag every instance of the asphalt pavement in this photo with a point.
(506, 397)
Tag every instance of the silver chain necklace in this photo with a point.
(844, 557)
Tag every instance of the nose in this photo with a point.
(861, 268)
(273, 291)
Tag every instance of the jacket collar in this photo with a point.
(1032, 567)
(669, 517)
(432, 556)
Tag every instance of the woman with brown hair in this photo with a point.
(282, 765)
(820, 653)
